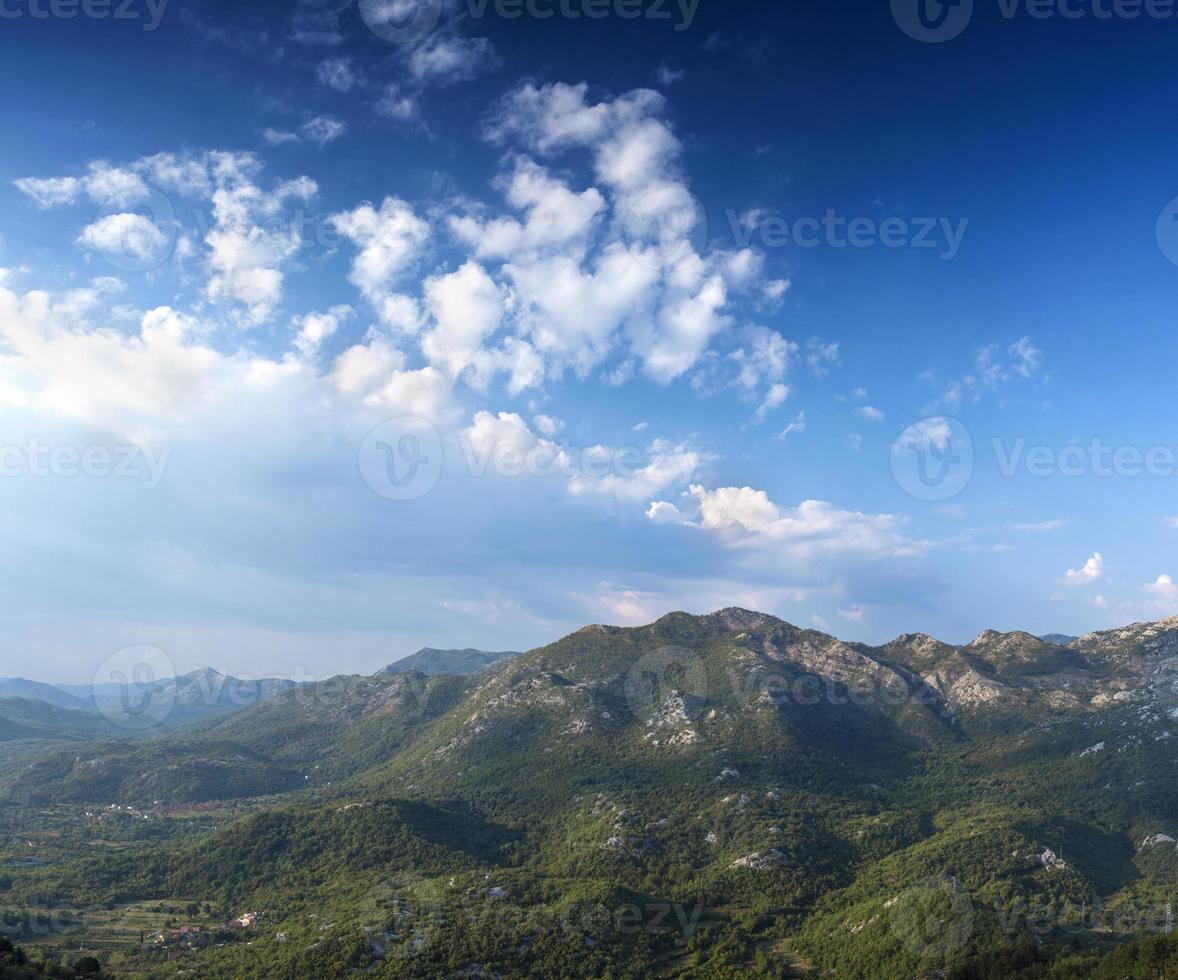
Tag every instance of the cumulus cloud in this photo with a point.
(390, 240)
(870, 413)
(748, 519)
(504, 445)
(314, 328)
(124, 234)
(1091, 572)
(466, 307)
(1163, 591)
(103, 184)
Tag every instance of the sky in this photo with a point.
(330, 330)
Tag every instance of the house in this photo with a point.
(244, 921)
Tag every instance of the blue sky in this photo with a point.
(322, 339)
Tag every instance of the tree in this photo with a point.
(87, 966)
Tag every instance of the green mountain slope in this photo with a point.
(786, 799)
(432, 663)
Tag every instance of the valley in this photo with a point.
(704, 796)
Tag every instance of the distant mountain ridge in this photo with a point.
(173, 700)
(433, 662)
(19, 687)
(731, 754)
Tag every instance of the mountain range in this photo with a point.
(433, 662)
(911, 809)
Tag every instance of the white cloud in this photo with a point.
(663, 512)
(247, 245)
(775, 289)
(466, 307)
(775, 397)
(337, 73)
(1171, 522)
(870, 412)
(105, 185)
(548, 425)
(765, 357)
(276, 137)
(323, 129)
(746, 518)
(446, 60)
(556, 216)
(124, 234)
(796, 427)
(669, 76)
(503, 444)
(50, 192)
(314, 328)
(821, 355)
(390, 241)
(995, 369)
(1164, 591)
(114, 187)
(1090, 573)
(1039, 526)
(248, 241)
(396, 103)
(611, 472)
